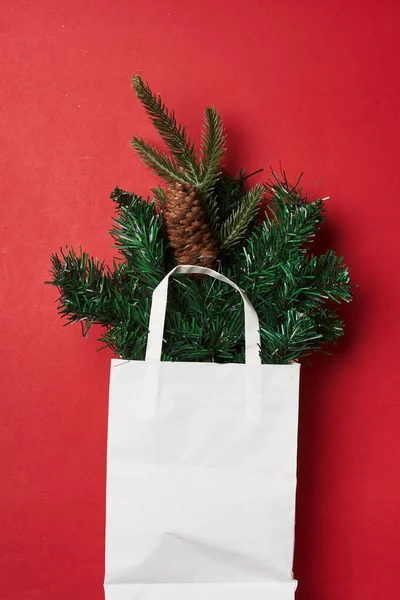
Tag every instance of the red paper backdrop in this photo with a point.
(313, 84)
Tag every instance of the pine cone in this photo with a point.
(188, 229)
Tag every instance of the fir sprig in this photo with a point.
(87, 288)
(229, 190)
(235, 227)
(212, 150)
(161, 164)
(173, 134)
(139, 237)
(183, 165)
(159, 194)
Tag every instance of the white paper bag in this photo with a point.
(201, 473)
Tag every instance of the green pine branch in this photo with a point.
(212, 150)
(138, 234)
(296, 336)
(330, 326)
(229, 191)
(322, 278)
(287, 232)
(300, 219)
(161, 164)
(235, 227)
(127, 336)
(210, 203)
(87, 288)
(91, 293)
(159, 194)
(173, 134)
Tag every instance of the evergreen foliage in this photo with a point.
(173, 134)
(212, 150)
(294, 292)
(236, 225)
(162, 164)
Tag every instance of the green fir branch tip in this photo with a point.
(212, 149)
(235, 227)
(161, 164)
(173, 134)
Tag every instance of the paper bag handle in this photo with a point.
(159, 306)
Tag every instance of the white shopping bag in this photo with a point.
(201, 473)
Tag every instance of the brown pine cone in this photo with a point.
(188, 229)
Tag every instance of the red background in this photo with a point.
(313, 84)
